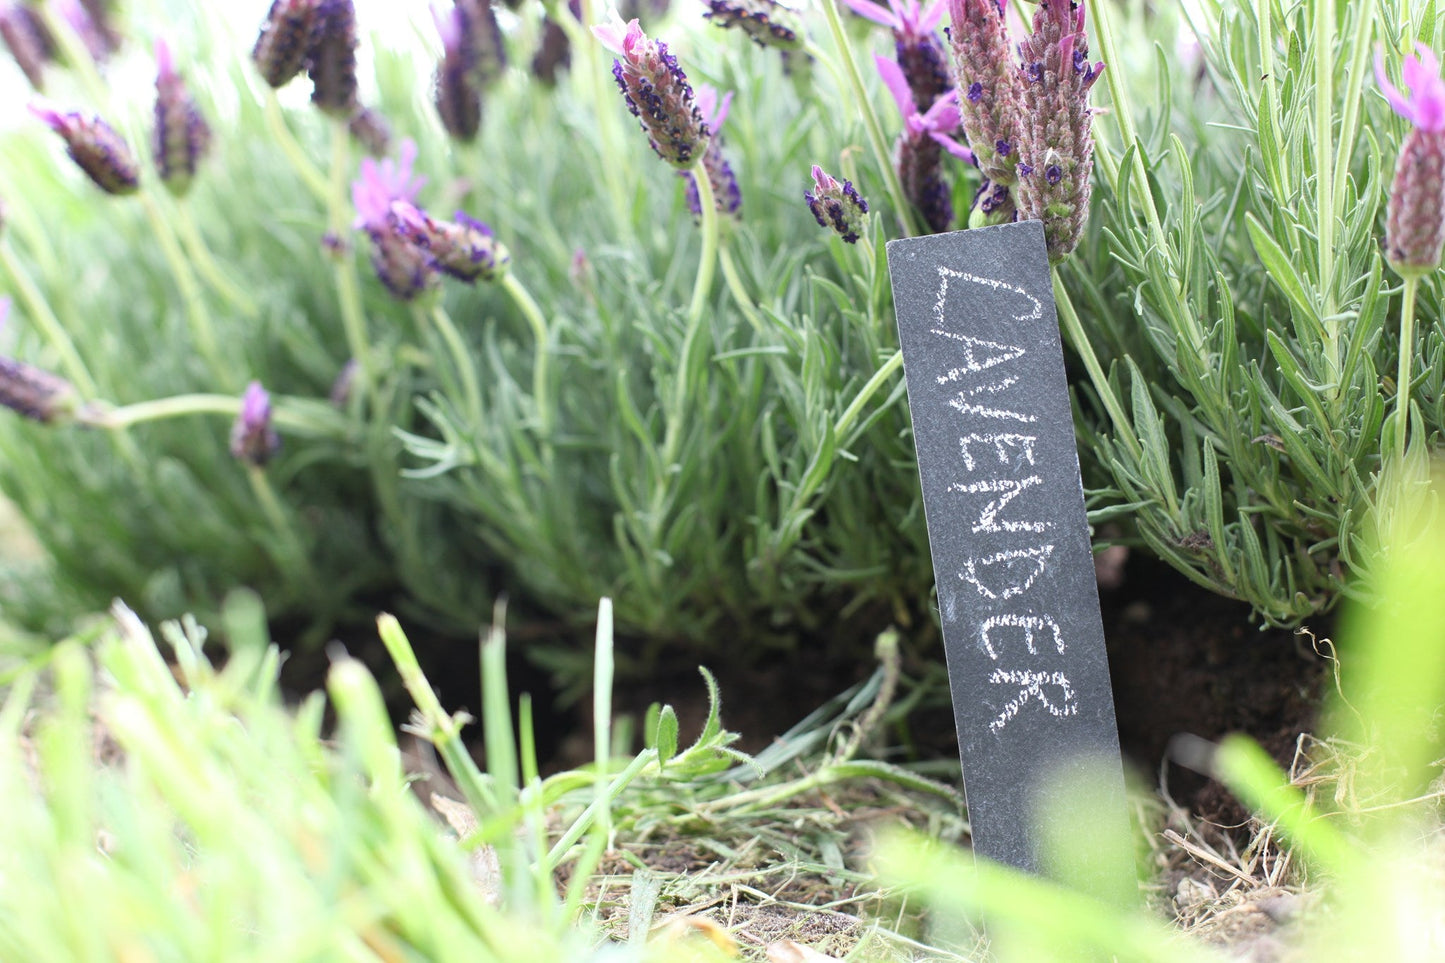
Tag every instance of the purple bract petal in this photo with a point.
(897, 85)
(1425, 105)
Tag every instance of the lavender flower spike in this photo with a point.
(1415, 215)
(286, 39)
(836, 205)
(466, 249)
(920, 147)
(989, 88)
(32, 392)
(181, 136)
(95, 147)
(253, 440)
(457, 95)
(656, 91)
(916, 46)
(404, 268)
(1056, 145)
(766, 22)
(331, 61)
(29, 41)
(728, 199)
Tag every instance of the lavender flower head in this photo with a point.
(29, 41)
(916, 44)
(1056, 145)
(181, 136)
(766, 22)
(253, 440)
(286, 39)
(405, 269)
(465, 248)
(727, 197)
(1415, 215)
(989, 87)
(331, 59)
(32, 392)
(836, 205)
(455, 92)
(656, 91)
(95, 147)
(920, 147)
(371, 130)
(98, 43)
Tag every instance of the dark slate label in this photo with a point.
(1011, 554)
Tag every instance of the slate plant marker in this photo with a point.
(1011, 554)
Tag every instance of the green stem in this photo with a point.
(1407, 358)
(870, 120)
(306, 417)
(300, 163)
(206, 264)
(1074, 329)
(844, 424)
(50, 327)
(348, 289)
(285, 531)
(538, 322)
(707, 262)
(198, 317)
(1324, 26)
(461, 360)
(738, 289)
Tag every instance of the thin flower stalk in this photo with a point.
(1415, 213)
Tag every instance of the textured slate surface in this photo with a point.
(1010, 543)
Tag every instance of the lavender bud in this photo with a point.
(554, 52)
(456, 93)
(465, 249)
(727, 197)
(1055, 142)
(768, 23)
(36, 394)
(989, 87)
(371, 130)
(253, 440)
(102, 19)
(920, 172)
(331, 62)
(924, 64)
(29, 42)
(482, 38)
(287, 36)
(340, 394)
(405, 269)
(837, 206)
(1415, 214)
(657, 92)
(96, 148)
(181, 136)
(994, 203)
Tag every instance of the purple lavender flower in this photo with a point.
(554, 51)
(371, 130)
(989, 94)
(656, 91)
(331, 60)
(916, 45)
(253, 440)
(836, 206)
(766, 22)
(32, 392)
(1056, 144)
(405, 269)
(286, 38)
(102, 18)
(340, 393)
(456, 93)
(97, 43)
(724, 183)
(466, 248)
(1415, 215)
(181, 136)
(29, 42)
(95, 147)
(925, 136)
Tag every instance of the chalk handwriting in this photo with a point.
(1030, 561)
(1031, 686)
(1029, 623)
(1002, 445)
(1008, 489)
(984, 412)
